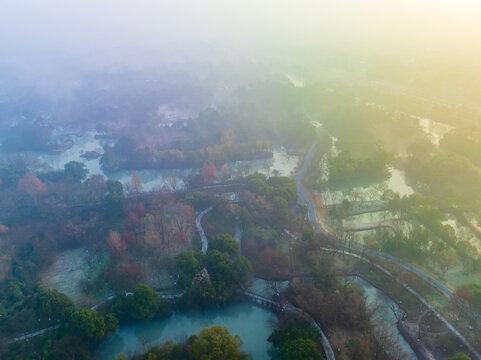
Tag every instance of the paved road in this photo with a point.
(312, 214)
(301, 190)
(305, 199)
(203, 238)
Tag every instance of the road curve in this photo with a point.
(203, 238)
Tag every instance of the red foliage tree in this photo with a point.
(128, 276)
(169, 218)
(116, 245)
(141, 211)
(129, 238)
(31, 185)
(267, 262)
(209, 174)
(466, 294)
(137, 183)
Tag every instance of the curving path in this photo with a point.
(203, 238)
(260, 299)
(32, 334)
(274, 304)
(415, 293)
(304, 198)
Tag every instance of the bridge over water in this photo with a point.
(271, 304)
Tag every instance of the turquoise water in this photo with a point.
(251, 322)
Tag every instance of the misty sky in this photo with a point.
(63, 27)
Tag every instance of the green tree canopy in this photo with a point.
(76, 170)
(460, 356)
(187, 262)
(300, 349)
(54, 304)
(224, 243)
(216, 343)
(144, 303)
(86, 323)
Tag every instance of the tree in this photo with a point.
(128, 276)
(76, 170)
(31, 185)
(144, 303)
(187, 262)
(116, 245)
(467, 253)
(137, 183)
(86, 323)
(358, 349)
(224, 243)
(54, 304)
(3, 228)
(125, 146)
(71, 348)
(460, 356)
(300, 349)
(208, 174)
(97, 187)
(446, 259)
(115, 198)
(216, 343)
(170, 221)
(242, 271)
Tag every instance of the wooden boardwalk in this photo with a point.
(286, 307)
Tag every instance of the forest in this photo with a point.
(234, 180)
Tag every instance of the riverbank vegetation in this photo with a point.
(215, 343)
(349, 169)
(76, 332)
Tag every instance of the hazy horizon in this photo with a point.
(110, 30)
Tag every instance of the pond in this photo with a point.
(396, 183)
(384, 315)
(281, 163)
(251, 322)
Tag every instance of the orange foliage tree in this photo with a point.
(31, 185)
(137, 183)
(209, 174)
(116, 244)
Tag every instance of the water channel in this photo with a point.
(384, 316)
